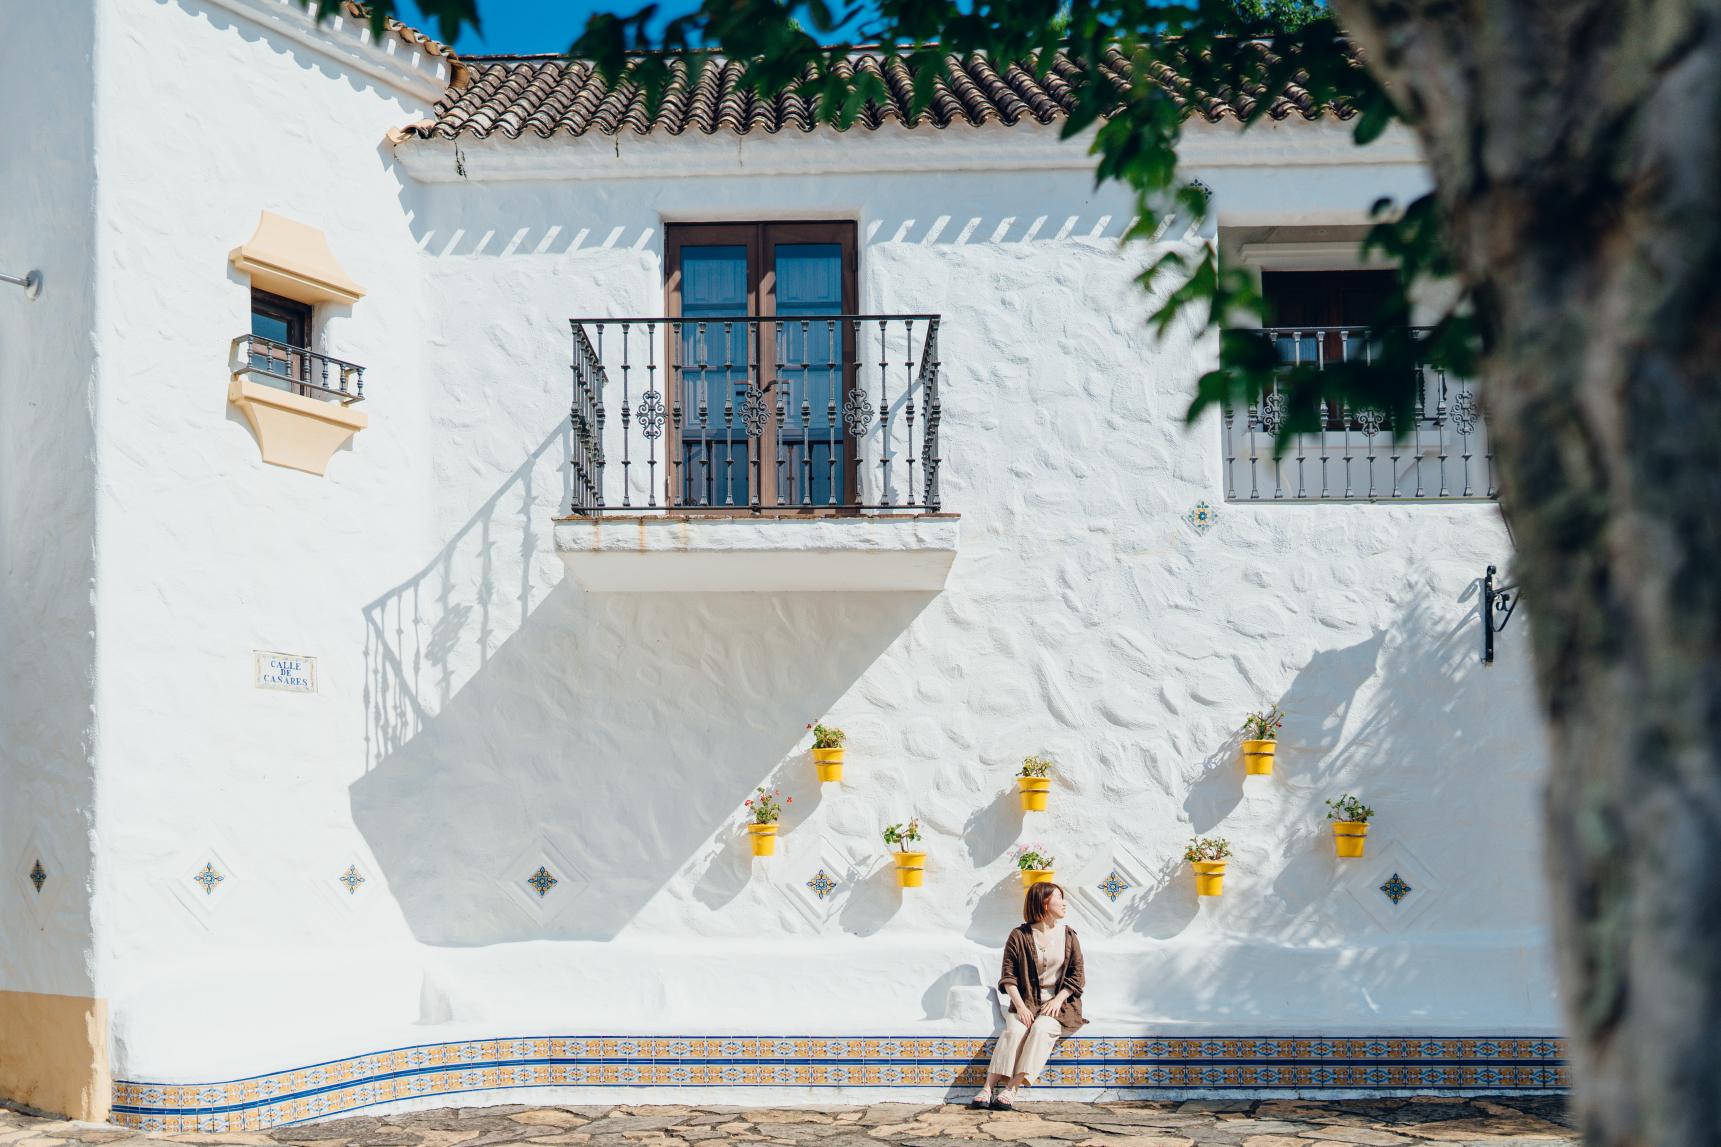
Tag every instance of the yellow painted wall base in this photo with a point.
(295, 431)
(54, 1054)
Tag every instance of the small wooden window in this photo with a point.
(1324, 299)
(280, 332)
(1321, 315)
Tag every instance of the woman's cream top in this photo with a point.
(1050, 948)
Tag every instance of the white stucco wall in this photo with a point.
(47, 499)
(479, 715)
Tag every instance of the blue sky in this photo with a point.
(525, 26)
(530, 26)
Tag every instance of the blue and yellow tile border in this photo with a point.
(1387, 1063)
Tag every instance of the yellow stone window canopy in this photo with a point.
(293, 260)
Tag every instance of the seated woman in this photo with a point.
(1043, 979)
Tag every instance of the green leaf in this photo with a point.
(1183, 56)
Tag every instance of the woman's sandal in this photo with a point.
(982, 1100)
(1005, 1100)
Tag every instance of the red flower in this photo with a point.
(791, 800)
(747, 803)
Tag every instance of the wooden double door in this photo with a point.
(762, 401)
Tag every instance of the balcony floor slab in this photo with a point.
(719, 553)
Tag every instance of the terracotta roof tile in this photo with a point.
(540, 96)
(357, 11)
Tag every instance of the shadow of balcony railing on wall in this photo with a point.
(798, 414)
(1358, 454)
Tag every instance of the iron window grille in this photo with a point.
(1358, 454)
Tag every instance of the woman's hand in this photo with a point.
(1024, 1013)
(1054, 1005)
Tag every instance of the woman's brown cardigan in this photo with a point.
(1020, 970)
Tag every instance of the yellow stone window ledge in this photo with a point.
(293, 260)
(293, 430)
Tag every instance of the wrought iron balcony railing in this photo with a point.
(299, 370)
(752, 413)
(1358, 454)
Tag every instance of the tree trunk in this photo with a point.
(1576, 151)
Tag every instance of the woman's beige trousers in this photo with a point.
(1024, 1051)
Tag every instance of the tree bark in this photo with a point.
(1576, 152)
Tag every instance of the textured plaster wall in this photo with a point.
(212, 554)
(47, 512)
(479, 715)
(47, 501)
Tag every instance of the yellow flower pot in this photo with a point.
(764, 839)
(1258, 758)
(829, 762)
(910, 869)
(1349, 836)
(1209, 876)
(1032, 876)
(1035, 790)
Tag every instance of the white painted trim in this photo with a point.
(407, 68)
(1336, 255)
(663, 554)
(993, 147)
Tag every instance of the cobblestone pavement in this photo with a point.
(1419, 1122)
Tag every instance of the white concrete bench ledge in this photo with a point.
(707, 554)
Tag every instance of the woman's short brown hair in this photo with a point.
(1034, 904)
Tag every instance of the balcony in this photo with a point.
(299, 370)
(1358, 454)
(296, 401)
(786, 452)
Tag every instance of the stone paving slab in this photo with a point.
(1424, 1121)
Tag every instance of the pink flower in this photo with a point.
(791, 800)
(747, 803)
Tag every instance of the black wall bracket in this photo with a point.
(1498, 602)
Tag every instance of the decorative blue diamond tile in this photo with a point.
(1109, 888)
(38, 875)
(821, 879)
(1395, 889)
(351, 878)
(209, 878)
(1201, 517)
(541, 881)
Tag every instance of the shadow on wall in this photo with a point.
(515, 720)
(328, 64)
(1409, 720)
(503, 219)
(459, 603)
(993, 828)
(997, 910)
(1316, 706)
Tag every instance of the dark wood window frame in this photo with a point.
(1347, 298)
(298, 317)
(295, 314)
(759, 238)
